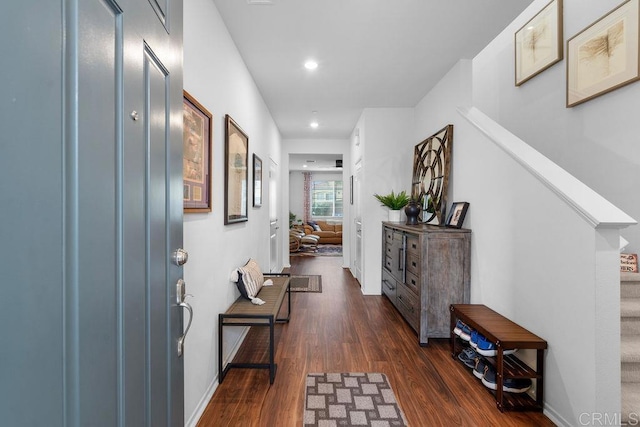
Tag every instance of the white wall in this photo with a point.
(296, 194)
(216, 76)
(597, 141)
(386, 144)
(316, 146)
(533, 259)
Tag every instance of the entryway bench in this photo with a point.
(243, 313)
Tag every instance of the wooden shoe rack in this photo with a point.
(505, 335)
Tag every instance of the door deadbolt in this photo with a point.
(179, 257)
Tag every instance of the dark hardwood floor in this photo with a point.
(340, 330)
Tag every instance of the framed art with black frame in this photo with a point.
(236, 176)
(456, 214)
(257, 181)
(196, 156)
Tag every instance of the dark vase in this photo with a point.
(412, 211)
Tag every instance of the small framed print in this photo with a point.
(257, 181)
(196, 156)
(539, 42)
(456, 214)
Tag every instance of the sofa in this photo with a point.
(329, 233)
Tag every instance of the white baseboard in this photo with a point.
(208, 394)
(555, 417)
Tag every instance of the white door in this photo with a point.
(357, 184)
(274, 227)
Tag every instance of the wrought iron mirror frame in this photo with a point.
(431, 168)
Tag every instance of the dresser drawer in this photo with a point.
(389, 286)
(388, 263)
(408, 305)
(413, 244)
(388, 235)
(413, 283)
(413, 264)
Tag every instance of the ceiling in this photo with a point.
(371, 53)
(314, 162)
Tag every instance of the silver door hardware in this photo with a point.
(179, 257)
(186, 331)
(134, 115)
(181, 295)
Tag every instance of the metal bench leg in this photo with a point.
(272, 364)
(220, 352)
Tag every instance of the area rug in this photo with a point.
(323, 250)
(310, 283)
(351, 399)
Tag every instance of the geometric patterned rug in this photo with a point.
(309, 283)
(322, 250)
(352, 399)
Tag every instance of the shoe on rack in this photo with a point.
(487, 348)
(473, 341)
(511, 385)
(468, 356)
(462, 330)
(480, 366)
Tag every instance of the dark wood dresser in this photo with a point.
(425, 269)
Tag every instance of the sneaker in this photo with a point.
(511, 385)
(473, 341)
(480, 366)
(462, 330)
(468, 356)
(487, 348)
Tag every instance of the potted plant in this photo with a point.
(394, 202)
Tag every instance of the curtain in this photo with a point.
(307, 197)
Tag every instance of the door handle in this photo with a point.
(179, 257)
(186, 331)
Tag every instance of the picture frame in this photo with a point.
(456, 214)
(539, 42)
(236, 176)
(604, 56)
(196, 155)
(257, 181)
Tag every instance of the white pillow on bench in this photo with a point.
(250, 279)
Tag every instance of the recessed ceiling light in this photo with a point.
(304, 166)
(311, 65)
(314, 125)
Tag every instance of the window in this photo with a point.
(326, 199)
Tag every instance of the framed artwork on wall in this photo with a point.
(431, 169)
(196, 155)
(604, 56)
(538, 44)
(257, 181)
(236, 175)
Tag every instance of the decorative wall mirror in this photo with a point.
(431, 167)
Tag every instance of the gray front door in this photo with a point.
(91, 211)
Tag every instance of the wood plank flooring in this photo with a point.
(341, 330)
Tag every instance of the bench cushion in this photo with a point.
(250, 279)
